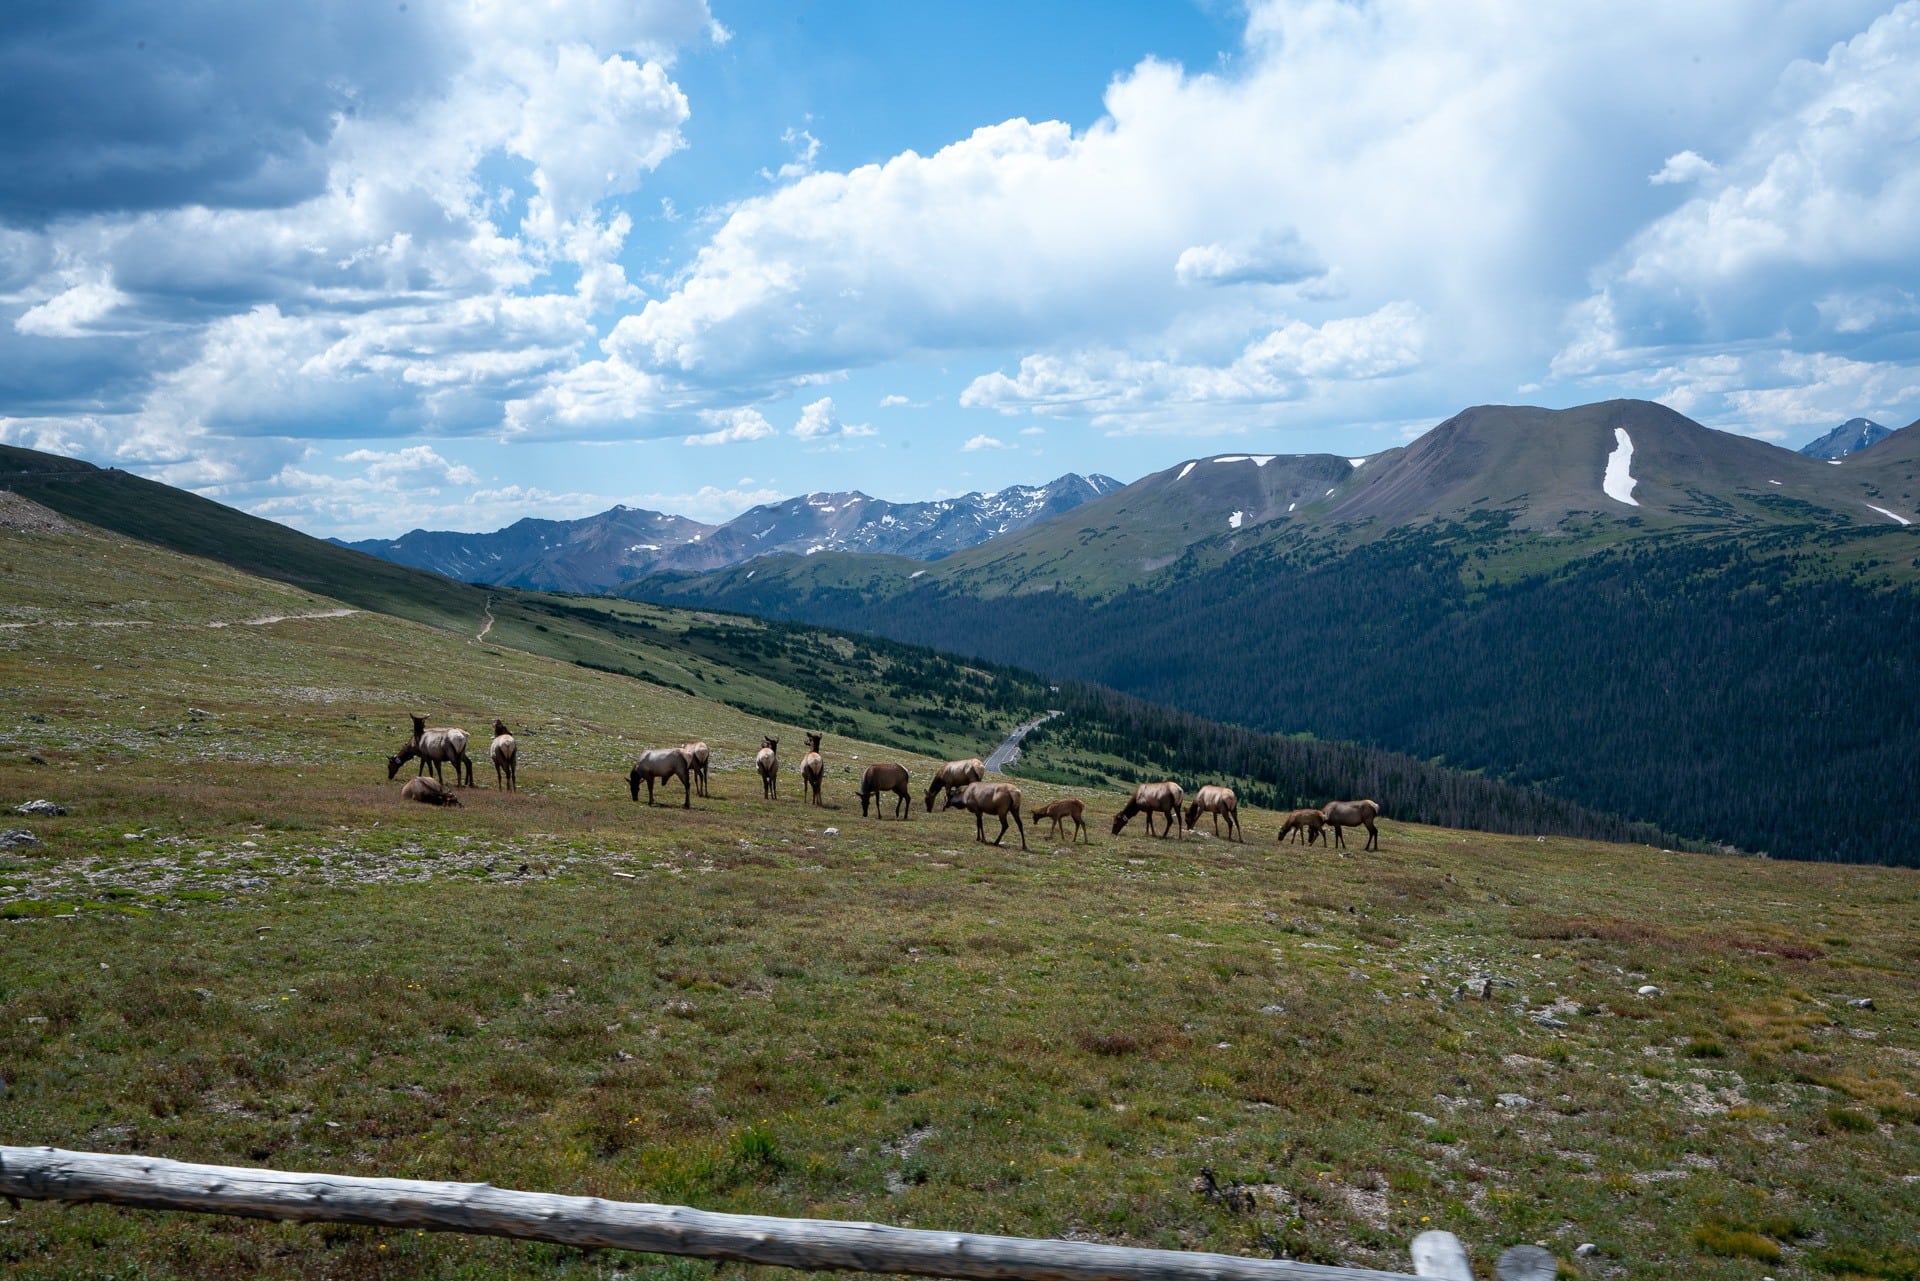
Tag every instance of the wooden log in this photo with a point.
(153, 1183)
(1440, 1254)
(1525, 1263)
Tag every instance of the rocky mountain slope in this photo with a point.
(602, 552)
(1850, 437)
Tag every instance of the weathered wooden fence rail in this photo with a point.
(152, 1183)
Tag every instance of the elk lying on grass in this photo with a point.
(876, 779)
(1303, 825)
(1002, 800)
(429, 791)
(1344, 814)
(767, 761)
(434, 747)
(1059, 811)
(661, 763)
(503, 752)
(1151, 799)
(812, 770)
(955, 774)
(1217, 801)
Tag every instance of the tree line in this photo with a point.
(1750, 690)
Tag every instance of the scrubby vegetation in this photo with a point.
(240, 946)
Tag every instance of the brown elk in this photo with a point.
(1303, 826)
(954, 774)
(767, 761)
(1060, 810)
(1153, 798)
(429, 792)
(434, 747)
(1217, 801)
(1344, 814)
(876, 779)
(812, 769)
(1002, 800)
(698, 758)
(661, 763)
(504, 753)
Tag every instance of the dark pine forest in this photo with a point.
(1732, 690)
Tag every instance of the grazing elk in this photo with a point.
(1060, 810)
(429, 792)
(1002, 800)
(1153, 798)
(1303, 825)
(698, 758)
(812, 769)
(954, 774)
(1344, 814)
(767, 761)
(661, 763)
(504, 753)
(1217, 801)
(876, 779)
(435, 747)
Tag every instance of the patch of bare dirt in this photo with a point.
(27, 516)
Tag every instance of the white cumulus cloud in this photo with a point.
(733, 426)
(412, 467)
(818, 424)
(1684, 166)
(1801, 257)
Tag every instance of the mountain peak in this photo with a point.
(1850, 437)
(599, 553)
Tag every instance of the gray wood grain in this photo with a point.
(1440, 1254)
(51, 1174)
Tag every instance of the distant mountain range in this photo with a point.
(1850, 437)
(1617, 603)
(600, 553)
(1631, 463)
(1585, 476)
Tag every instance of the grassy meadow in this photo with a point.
(240, 946)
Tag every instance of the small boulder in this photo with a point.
(44, 809)
(1647, 989)
(17, 836)
(1861, 1003)
(1585, 1250)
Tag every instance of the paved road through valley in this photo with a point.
(1009, 752)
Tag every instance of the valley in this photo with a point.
(238, 945)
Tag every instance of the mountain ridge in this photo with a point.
(602, 552)
(1850, 437)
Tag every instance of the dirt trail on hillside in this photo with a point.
(144, 622)
(287, 618)
(488, 625)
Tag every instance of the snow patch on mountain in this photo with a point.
(1619, 479)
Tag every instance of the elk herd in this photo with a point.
(963, 783)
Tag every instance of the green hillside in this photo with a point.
(238, 945)
(1733, 687)
(908, 697)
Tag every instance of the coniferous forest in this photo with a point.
(1733, 690)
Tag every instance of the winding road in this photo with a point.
(1009, 752)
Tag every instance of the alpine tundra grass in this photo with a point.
(239, 946)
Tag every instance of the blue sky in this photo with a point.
(362, 267)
